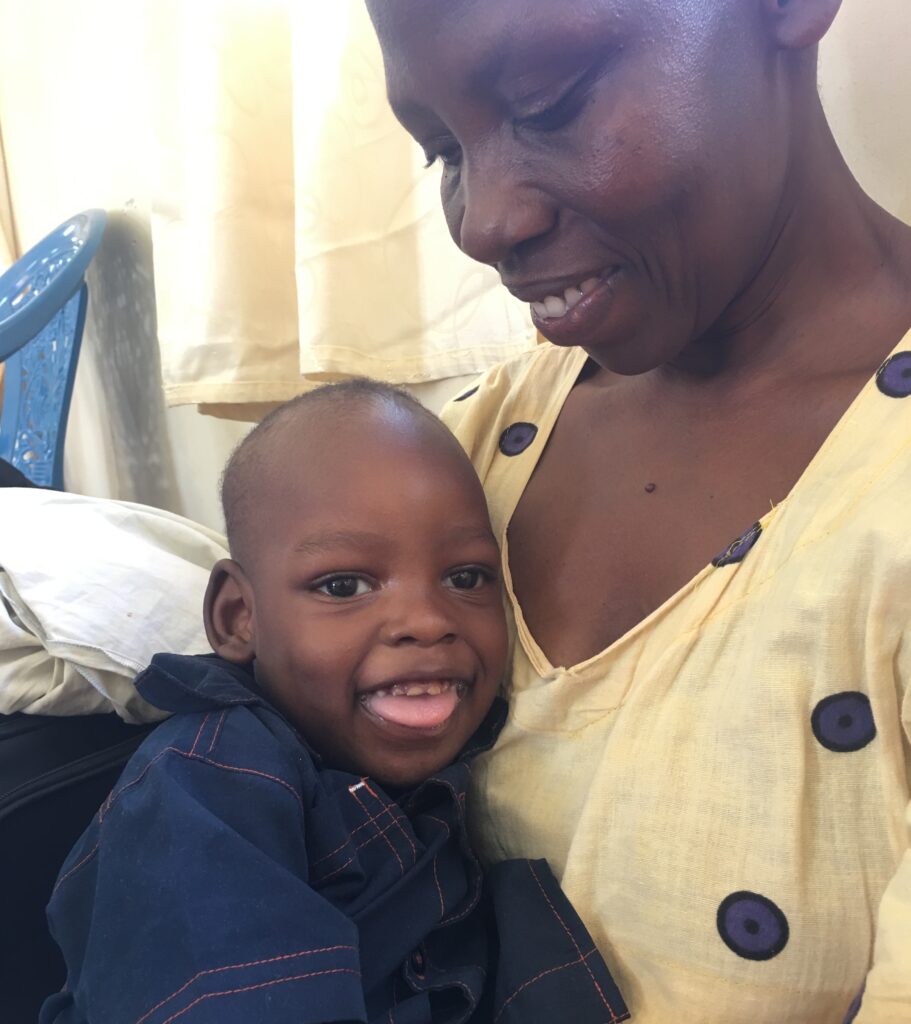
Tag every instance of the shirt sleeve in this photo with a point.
(186, 901)
(887, 993)
(886, 998)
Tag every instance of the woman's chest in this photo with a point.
(619, 516)
(737, 878)
(725, 804)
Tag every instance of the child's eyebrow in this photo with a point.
(470, 533)
(333, 539)
(339, 538)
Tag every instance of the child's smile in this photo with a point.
(415, 704)
(371, 591)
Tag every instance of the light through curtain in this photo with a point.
(297, 235)
(295, 230)
(9, 244)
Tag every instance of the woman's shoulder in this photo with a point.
(512, 394)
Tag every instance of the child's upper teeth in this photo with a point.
(430, 689)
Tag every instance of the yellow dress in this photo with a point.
(724, 790)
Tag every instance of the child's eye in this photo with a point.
(343, 586)
(468, 579)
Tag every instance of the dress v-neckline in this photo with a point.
(536, 656)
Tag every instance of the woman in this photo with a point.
(708, 738)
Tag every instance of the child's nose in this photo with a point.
(421, 618)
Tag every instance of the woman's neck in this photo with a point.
(833, 281)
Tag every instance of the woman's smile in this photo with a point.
(571, 315)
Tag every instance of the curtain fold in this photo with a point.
(9, 242)
(297, 236)
(222, 199)
(381, 288)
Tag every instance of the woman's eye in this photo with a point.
(448, 153)
(564, 110)
(468, 579)
(344, 586)
(556, 116)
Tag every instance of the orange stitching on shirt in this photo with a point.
(476, 892)
(538, 977)
(383, 833)
(221, 722)
(205, 760)
(436, 879)
(113, 797)
(395, 818)
(264, 984)
(247, 771)
(351, 836)
(360, 846)
(75, 868)
(572, 939)
(372, 839)
(238, 967)
(202, 726)
(129, 785)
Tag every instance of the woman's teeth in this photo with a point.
(555, 306)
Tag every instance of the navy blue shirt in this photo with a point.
(232, 877)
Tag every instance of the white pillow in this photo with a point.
(90, 589)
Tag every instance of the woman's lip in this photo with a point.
(576, 325)
(538, 290)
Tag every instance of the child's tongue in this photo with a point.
(423, 710)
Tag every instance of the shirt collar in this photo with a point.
(186, 683)
(204, 682)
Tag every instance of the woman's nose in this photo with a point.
(495, 214)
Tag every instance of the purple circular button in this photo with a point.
(515, 439)
(752, 926)
(737, 550)
(844, 722)
(893, 378)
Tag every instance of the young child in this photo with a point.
(290, 846)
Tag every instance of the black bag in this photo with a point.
(54, 775)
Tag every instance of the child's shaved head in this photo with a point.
(267, 449)
(364, 582)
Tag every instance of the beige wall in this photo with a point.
(71, 111)
(865, 81)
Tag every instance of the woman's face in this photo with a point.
(620, 162)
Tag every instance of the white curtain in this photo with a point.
(296, 232)
(9, 245)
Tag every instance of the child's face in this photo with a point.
(378, 621)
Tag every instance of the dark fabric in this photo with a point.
(54, 773)
(231, 877)
(11, 477)
(548, 968)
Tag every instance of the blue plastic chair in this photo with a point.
(43, 299)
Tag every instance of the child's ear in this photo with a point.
(228, 613)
